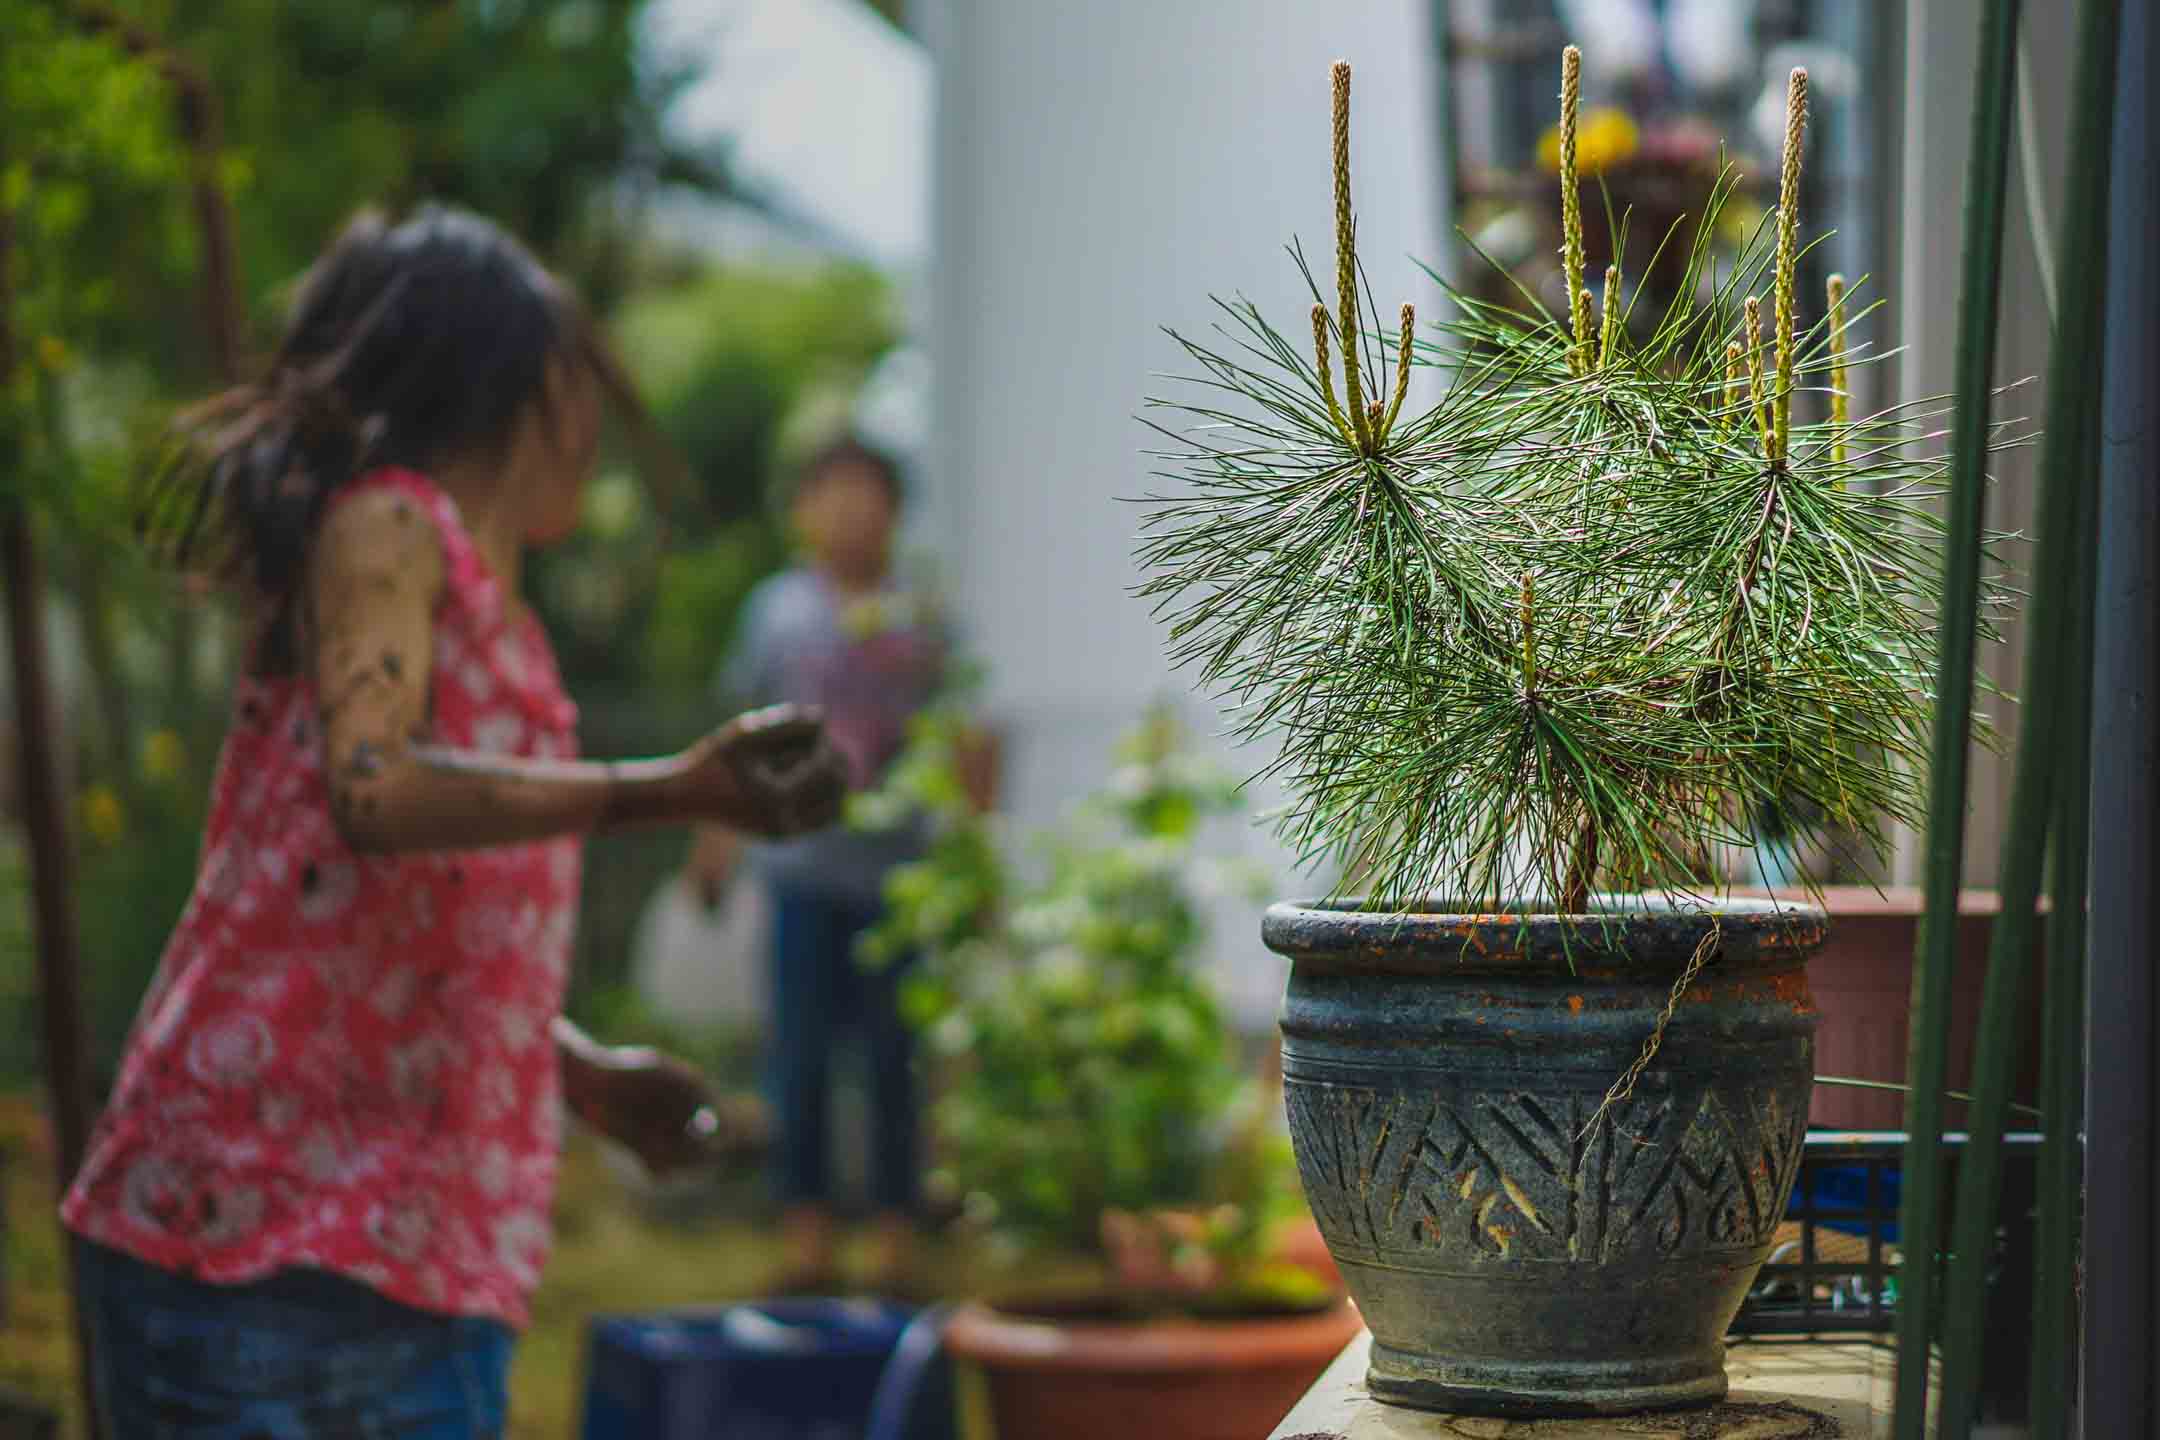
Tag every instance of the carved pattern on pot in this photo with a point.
(1485, 1177)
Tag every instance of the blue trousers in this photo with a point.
(818, 989)
(302, 1355)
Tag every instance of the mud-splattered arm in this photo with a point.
(373, 583)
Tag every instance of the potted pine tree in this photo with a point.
(1529, 657)
(1093, 1118)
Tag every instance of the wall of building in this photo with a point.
(1100, 170)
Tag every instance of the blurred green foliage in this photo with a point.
(1090, 1067)
(89, 185)
(134, 873)
(91, 188)
(530, 111)
(18, 996)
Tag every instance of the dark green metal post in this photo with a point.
(1978, 311)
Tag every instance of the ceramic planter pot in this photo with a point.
(1061, 1379)
(1511, 1256)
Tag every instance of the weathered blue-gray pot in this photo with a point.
(1512, 1257)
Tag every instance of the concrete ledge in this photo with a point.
(1781, 1390)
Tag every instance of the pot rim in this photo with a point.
(1628, 935)
(980, 1332)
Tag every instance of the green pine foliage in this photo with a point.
(1612, 602)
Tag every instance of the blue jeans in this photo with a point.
(818, 988)
(302, 1355)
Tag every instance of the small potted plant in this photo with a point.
(1093, 1117)
(1528, 658)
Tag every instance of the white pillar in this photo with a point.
(1101, 168)
(1942, 46)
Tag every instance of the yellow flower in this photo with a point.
(163, 755)
(102, 814)
(1605, 138)
(52, 353)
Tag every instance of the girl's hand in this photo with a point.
(770, 772)
(672, 1121)
(658, 1107)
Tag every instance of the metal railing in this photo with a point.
(1835, 1265)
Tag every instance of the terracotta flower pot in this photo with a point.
(1517, 1247)
(1301, 1244)
(1197, 1380)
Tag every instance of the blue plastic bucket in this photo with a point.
(1844, 1188)
(784, 1370)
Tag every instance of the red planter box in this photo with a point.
(1862, 983)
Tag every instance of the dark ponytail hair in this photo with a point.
(412, 343)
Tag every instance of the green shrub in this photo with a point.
(1088, 1067)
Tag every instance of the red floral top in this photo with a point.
(344, 1062)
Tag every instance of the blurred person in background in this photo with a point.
(843, 632)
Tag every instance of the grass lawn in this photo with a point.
(611, 1255)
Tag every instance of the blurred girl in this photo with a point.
(318, 1200)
